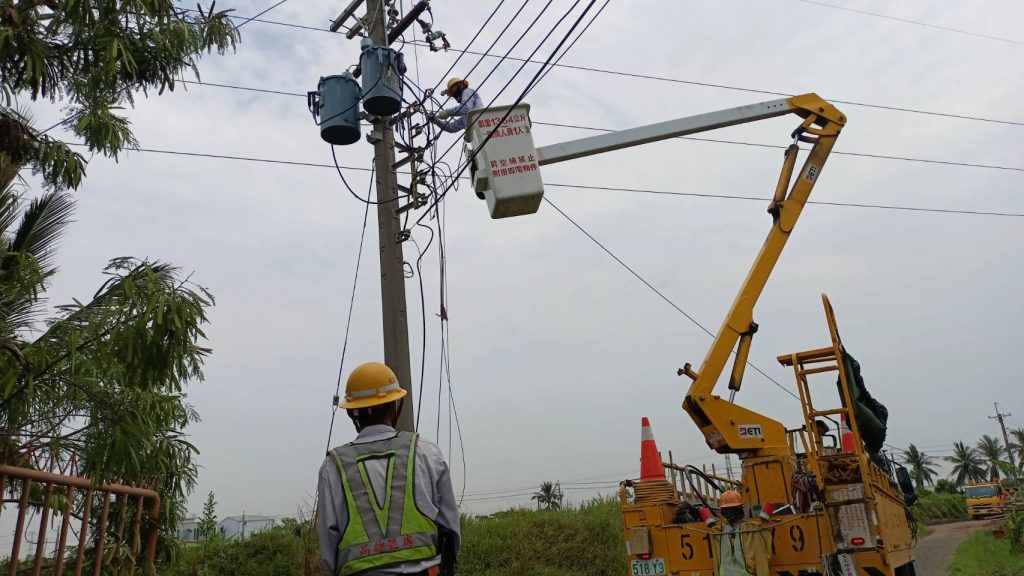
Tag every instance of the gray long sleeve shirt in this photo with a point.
(433, 492)
(456, 122)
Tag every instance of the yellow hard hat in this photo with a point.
(371, 384)
(730, 498)
(452, 82)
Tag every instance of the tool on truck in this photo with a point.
(810, 501)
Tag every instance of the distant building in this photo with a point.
(188, 530)
(238, 527)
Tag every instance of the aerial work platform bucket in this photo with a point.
(506, 169)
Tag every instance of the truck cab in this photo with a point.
(986, 499)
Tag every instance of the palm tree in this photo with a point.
(991, 450)
(549, 496)
(921, 466)
(968, 465)
(1018, 444)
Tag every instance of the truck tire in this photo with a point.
(906, 570)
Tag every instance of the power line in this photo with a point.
(694, 82)
(351, 306)
(530, 85)
(656, 291)
(579, 186)
(438, 197)
(836, 152)
(714, 140)
(545, 69)
(367, 200)
(915, 22)
(530, 489)
(570, 46)
(431, 143)
(759, 199)
(246, 88)
(260, 14)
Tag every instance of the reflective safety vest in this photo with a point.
(730, 552)
(381, 535)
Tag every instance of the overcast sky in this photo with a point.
(556, 350)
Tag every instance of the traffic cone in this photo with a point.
(846, 435)
(650, 459)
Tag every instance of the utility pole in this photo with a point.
(1006, 438)
(389, 228)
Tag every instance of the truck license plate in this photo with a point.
(652, 567)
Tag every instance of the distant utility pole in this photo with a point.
(1006, 438)
(389, 227)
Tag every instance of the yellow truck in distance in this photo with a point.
(986, 499)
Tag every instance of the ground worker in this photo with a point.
(728, 543)
(385, 502)
(454, 119)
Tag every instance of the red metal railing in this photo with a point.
(127, 498)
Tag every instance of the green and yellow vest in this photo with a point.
(381, 535)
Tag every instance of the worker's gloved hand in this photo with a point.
(443, 114)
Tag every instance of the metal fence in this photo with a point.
(56, 494)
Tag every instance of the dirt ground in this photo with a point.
(935, 551)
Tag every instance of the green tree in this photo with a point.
(968, 465)
(94, 57)
(921, 466)
(991, 450)
(97, 389)
(1018, 444)
(549, 496)
(943, 486)
(208, 523)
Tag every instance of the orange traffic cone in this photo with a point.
(650, 459)
(846, 435)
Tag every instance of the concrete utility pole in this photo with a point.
(1006, 438)
(389, 227)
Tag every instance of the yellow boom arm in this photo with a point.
(726, 426)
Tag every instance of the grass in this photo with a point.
(586, 541)
(583, 542)
(981, 554)
(934, 508)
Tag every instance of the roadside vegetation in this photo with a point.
(936, 507)
(569, 541)
(982, 554)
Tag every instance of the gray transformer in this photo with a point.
(339, 97)
(382, 72)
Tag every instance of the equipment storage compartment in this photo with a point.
(506, 171)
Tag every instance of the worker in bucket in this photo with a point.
(385, 501)
(454, 119)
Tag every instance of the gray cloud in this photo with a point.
(556, 351)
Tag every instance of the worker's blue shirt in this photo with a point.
(456, 122)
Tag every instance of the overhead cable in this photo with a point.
(656, 291)
(581, 186)
(260, 14)
(915, 22)
(698, 83)
(719, 140)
